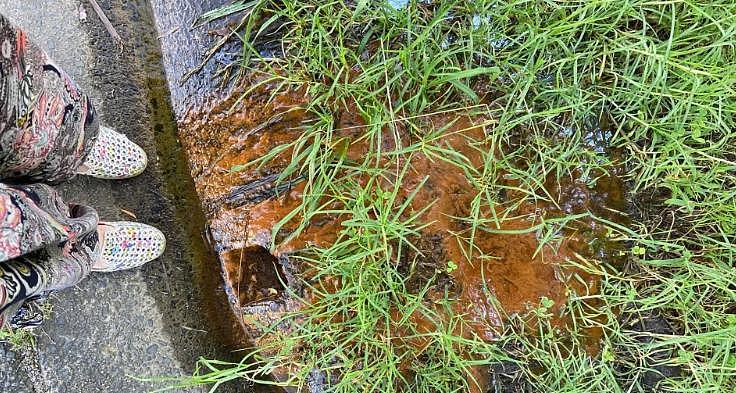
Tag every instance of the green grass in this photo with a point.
(25, 337)
(18, 338)
(662, 72)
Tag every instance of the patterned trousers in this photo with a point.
(47, 128)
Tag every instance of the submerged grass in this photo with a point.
(663, 75)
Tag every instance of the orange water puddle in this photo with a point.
(515, 272)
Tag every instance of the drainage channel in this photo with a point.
(224, 329)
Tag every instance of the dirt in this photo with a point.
(645, 325)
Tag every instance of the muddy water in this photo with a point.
(219, 131)
(515, 273)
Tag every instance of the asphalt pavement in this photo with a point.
(140, 323)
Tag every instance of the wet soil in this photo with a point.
(645, 325)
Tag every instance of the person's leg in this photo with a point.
(20, 280)
(45, 244)
(41, 272)
(49, 130)
(33, 217)
(47, 125)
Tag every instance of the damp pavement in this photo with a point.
(154, 321)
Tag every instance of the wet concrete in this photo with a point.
(146, 322)
(184, 48)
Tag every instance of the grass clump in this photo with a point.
(18, 338)
(544, 75)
